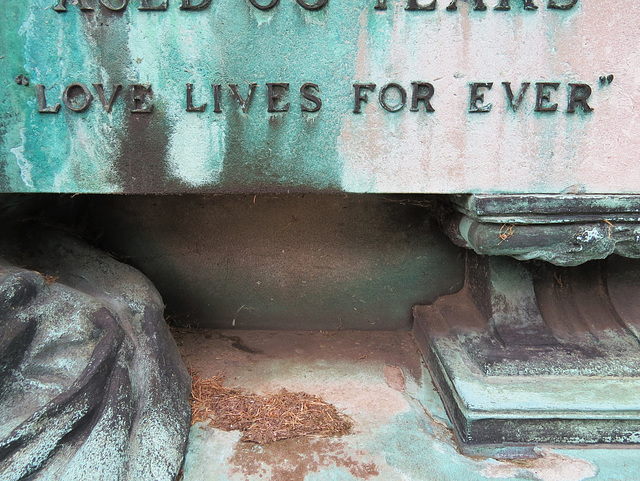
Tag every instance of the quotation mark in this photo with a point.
(606, 79)
(22, 80)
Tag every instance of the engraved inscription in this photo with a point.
(482, 97)
(392, 97)
(411, 5)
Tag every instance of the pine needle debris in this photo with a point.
(264, 418)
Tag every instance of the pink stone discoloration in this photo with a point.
(452, 150)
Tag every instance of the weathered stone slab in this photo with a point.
(219, 96)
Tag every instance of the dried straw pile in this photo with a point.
(264, 418)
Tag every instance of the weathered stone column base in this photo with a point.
(531, 353)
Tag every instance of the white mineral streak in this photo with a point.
(92, 143)
(452, 150)
(90, 146)
(23, 163)
(96, 141)
(196, 160)
(551, 466)
(196, 141)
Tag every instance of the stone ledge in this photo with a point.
(565, 230)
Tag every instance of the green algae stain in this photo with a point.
(103, 152)
(230, 42)
(294, 149)
(14, 168)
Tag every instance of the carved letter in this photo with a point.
(108, 4)
(62, 6)
(380, 5)
(306, 94)
(400, 104)
(244, 103)
(190, 107)
(76, 97)
(273, 96)
(146, 5)
(523, 90)
(187, 5)
(313, 6)
(422, 97)
(412, 5)
(476, 97)
(42, 102)
(562, 6)
(543, 96)
(140, 93)
(361, 96)
(107, 105)
(579, 95)
(479, 5)
(217, 89)
(268, 6)
(505, 5)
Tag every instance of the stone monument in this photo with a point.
(520, 115)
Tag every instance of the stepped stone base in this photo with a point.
(530, 353)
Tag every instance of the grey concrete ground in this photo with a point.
(401, 431)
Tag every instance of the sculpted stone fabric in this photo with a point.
(91, 384)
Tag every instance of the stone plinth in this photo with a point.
(355, 96)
